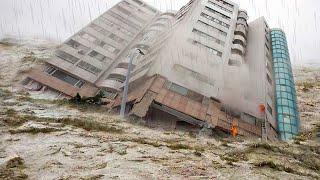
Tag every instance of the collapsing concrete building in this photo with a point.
(203, 65)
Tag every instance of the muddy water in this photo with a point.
(13, 52)
(73, 152)
(60, 151)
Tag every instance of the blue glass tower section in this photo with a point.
(286, 99)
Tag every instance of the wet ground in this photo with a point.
(45, 139)
(308, 92)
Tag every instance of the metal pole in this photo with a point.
(266, 126)
(126, 86)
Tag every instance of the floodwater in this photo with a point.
(48, 149)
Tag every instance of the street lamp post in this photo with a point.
(126, 86)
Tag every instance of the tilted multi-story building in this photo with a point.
(203, 65)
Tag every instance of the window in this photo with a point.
(184, 10)
(269, 109)
(79, 84)
(188, 72)
(267, 38)
(138, 2)
(88, 37)
(267, 46)
(268, 56)
(129, 14)
(234, 62)
(128, 4)
(213, 51)
(225, 3)
(269, 67)
(108, 94)
(149, 35)
(76, 45)
(211, 27)
(205, 35)
(92, 39)
(124, 11)
(100, 29)
(115, 78)
(184, 91)
(236, 51)
(100, 43)
(117, 39)
(240, 42)
(250, 119)
(68, 79)
(67, 57)
(105, 21)
(270, 94)
(217, 13)
(125, 20)
(97, 56)
(162, 19)
(178, 89)
(269, 79)
(88, 67)
(116, 25)
(287, 128)
(150, 9)
(217, 5)
(50, 69)
(215, 20)
(110, 48)
(125, 31)
(138, 19)
(242, 20)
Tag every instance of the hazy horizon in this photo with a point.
(59, 19)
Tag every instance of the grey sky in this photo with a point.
(58, 19)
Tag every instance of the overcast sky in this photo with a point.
(59, 19)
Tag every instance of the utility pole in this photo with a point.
(126, 86)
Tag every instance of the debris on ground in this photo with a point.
(43, 138)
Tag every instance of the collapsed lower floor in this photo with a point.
(161, 103)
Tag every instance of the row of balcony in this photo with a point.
(243, 14)
(240, 37)
(117, 77)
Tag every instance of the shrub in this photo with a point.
(306, 86)
(11, 112)
(96, 100)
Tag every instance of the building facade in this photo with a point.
(287, 110)
(83, 59)
(204, 65)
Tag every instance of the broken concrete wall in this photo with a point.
(201, 113)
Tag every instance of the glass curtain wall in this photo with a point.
(286, 99)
